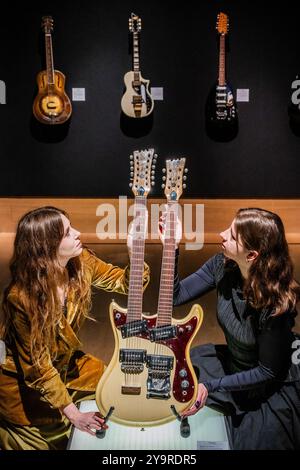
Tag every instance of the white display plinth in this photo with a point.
(208, 431)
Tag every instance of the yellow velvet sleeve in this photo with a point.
(109, 277)
(43, 378)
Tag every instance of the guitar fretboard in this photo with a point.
(165, 300)
(135, 56)
(49, 58)
(221, 79)
(135, 295)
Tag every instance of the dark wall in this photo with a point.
(90, 156)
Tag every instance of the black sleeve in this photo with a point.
(274, 351)
(198, 283)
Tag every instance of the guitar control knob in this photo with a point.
(118, 316)
(180, 330)
(185, 384)
(188, 328)
(183, 373)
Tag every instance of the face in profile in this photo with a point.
(70, 245)
(233, 248)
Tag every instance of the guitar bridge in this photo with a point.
(132, 360)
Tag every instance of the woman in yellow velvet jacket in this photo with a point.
(46, 303)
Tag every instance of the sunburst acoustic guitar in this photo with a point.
(51, 105)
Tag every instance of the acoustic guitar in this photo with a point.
(51, 105)
(137, 101)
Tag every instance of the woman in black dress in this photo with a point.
(254, 379)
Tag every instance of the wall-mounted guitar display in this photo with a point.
(51, 105)
(221, 107)
(137, 101)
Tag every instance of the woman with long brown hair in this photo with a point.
(252, 378)
(49, 297)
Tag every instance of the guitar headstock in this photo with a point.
(47, 24)
(142, 170)
(135, 23)
(173, 181)
(222, 23)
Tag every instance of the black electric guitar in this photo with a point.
(137, 101)
(221, 106)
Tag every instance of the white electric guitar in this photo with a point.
(137, 101)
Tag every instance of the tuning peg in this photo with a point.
(153, 178)
(131, 157)
(130, 185)
(155, 156)
(164, 178)
(164, 170)
(131, 174)
(184, 186)
(184, 178)
(152, 172)
(152, 183)
(163, 186)
(186, 170)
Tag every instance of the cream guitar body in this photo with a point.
(132, 394)
(137, 100)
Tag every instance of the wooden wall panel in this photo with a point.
(218, 214)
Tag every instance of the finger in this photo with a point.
(89, 431)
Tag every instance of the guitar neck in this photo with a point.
(135, 295)
(221, 78)
(49, 58)
(135, 54)
(165, 300)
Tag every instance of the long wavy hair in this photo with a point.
(270, 282)
(37, 273)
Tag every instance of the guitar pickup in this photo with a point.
(159, 363)
(133, 328)
(163, 333)
(132, 360)
(137, 99)
(136, 83)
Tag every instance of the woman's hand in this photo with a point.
(162, 227)
(199, 403)
(88, 422)
(138, 228)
